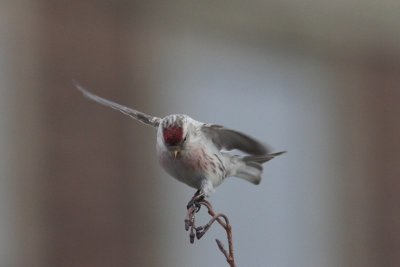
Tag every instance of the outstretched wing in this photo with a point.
(229, 139)
(137, 115)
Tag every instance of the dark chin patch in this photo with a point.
(173, 135)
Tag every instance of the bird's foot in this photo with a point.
(195, 201)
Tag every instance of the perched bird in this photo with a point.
(196, 153)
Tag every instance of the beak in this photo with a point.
(176, 153)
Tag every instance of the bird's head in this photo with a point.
(174, 131)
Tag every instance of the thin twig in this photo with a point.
(198, 232)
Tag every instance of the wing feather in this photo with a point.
(137, 115)
(228, 139)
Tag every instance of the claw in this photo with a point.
(198, 197)
(194, 202)
(190, 204)
(197, 206)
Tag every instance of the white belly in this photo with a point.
(186, 167)
(191, 166)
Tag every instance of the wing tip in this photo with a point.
(78, 86)
(83, 90)
(278, 153)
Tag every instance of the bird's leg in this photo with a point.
(198, 197)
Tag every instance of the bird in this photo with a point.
(196, 153)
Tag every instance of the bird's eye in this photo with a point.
(184, 139)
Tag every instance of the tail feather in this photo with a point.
(252, 168)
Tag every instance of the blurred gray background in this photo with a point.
(80, 184)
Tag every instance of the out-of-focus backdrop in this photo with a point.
(80, 184)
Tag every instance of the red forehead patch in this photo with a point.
(173, 135)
